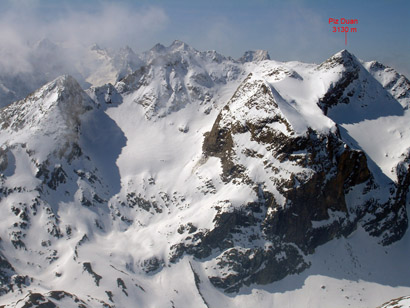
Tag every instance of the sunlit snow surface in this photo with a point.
(159, 155)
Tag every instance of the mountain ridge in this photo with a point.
(227, 173)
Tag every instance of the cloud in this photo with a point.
(14, 52)
(110, 25)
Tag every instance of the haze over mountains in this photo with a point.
(184, 178)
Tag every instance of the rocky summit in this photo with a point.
(192, 179)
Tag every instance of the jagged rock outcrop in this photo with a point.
(186, 76)
(401, 302)
(311, 174)
(254, 56)
(350, 73)
(56, 299)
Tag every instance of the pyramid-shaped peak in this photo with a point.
(254, 56)
(54, 108)
(158, 48)
(345, 54)
(64, 82)
(96, 47)
(346, 58)
(178, 45)
(343, 58)
(127, 49)
(68, 91)
(46, 44)
(126, 52)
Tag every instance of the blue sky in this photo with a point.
(289, 30)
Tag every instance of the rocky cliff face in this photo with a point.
(309, 208)
(335, 94)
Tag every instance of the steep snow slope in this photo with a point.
(371, 118)
(200, 181)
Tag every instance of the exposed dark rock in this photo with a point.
(9, 279)
(277, 72)
(6, 271)
(403, 182)
(52, 178)
(351, 71)
(87, 267)
(396, 303)
(317, 194)
(57, 177)
(136, 200)
(121, 284)
(110, 296)
(106, 94)
(3, 160)
(53, 300)
(334, 95)
(389, 221)
(261, 266)
(85, 202)
(203, 242)
(38, 300)
(337, 170)
(219, 141)
(151, 265)
(16, 239)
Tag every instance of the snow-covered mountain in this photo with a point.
(197, 180)
(46, 60)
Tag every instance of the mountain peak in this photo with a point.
(45, 44)
(344, 58)
(345, 55)
(376, 65)
(178, 45)
(64, 82)
(63, 95)
(127, 49)
(96, 47)
(254, 56)
(159, 48)
(49, 119)
(175, 46)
